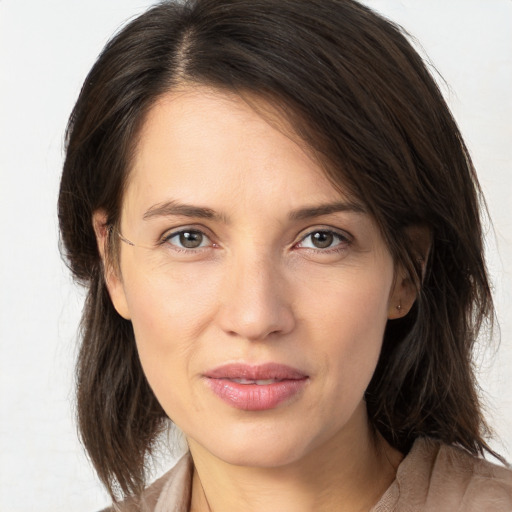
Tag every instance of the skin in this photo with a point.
(256, 290)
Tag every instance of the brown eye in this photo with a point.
(191, 239)
(322, 239)
(188, 239)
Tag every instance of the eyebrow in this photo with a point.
(170, 208)
(326, 209)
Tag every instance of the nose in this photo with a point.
(255, 301)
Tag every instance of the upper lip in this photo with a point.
(265, 371)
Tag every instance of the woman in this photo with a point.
(278, 224)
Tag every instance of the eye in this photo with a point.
(188, 239)
(323, 239)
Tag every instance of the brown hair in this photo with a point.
(360, 96)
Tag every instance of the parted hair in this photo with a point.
(362, 99)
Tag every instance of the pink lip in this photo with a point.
(287, 382)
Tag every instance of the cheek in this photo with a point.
(169, 313)
(170, 302)
(347, 320)
(349, 303)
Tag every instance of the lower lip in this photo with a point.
(254, 397)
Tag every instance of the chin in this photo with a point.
(258, 456)
(265, 446)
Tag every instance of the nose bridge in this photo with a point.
(254, 299)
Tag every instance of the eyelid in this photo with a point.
(346, 238)
(172, 232)
(323, 227)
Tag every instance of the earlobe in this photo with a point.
(405, 290)
(111, 271)
(402, 298)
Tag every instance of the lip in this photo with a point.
(278, 383)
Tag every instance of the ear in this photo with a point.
(112, 272)
(404, 291)
(402, 296)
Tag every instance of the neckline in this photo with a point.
(176, 493)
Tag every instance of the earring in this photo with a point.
(399, 307)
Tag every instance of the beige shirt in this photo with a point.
(432, 478)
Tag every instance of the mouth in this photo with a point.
(259, 382)
(256, 388)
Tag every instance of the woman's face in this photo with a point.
(258, 293)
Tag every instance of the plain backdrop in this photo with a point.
(46, 49)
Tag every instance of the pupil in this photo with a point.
(322, 239)
(191, 239)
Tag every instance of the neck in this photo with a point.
(349, 473)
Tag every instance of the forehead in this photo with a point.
(211, 146)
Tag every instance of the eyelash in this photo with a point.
(344, 241)
(166, 238)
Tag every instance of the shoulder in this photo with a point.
(170, 490)
(438, 477)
